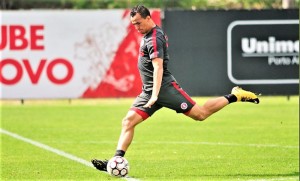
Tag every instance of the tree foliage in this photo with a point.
(164, 4)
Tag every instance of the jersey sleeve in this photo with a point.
(156, 46)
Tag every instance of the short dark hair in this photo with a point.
(142, 10)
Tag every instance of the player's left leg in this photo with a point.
(211, 106)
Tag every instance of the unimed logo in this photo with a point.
(272, 48)
(263, 52)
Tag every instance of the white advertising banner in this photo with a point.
(68, 54)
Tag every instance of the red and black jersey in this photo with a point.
(153, 45)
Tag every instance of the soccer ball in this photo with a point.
(118, 166)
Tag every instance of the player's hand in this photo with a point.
(152, 100)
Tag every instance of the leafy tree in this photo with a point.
(112, 4)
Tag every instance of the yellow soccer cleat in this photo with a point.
(244, 96)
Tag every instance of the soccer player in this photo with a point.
(160, 89)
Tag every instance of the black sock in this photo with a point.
(120, 153)
(231, 98)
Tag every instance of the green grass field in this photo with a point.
(244, 141)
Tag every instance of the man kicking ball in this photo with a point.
(160, 88)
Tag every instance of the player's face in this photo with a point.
(141, 24)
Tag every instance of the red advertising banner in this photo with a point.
(46, 54)
(122, 78)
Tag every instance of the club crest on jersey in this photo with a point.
(184, 106)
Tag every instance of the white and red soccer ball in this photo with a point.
(118, 166)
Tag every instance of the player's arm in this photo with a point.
(157, 79)
(157, 75)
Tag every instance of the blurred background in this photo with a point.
(88, 49)
(187, 4)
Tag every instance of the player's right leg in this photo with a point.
(100, 164)
(135, 115)
(133, 118)
(128, 124)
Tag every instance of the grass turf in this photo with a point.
(242, 142)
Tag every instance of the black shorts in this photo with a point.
(171, 96)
